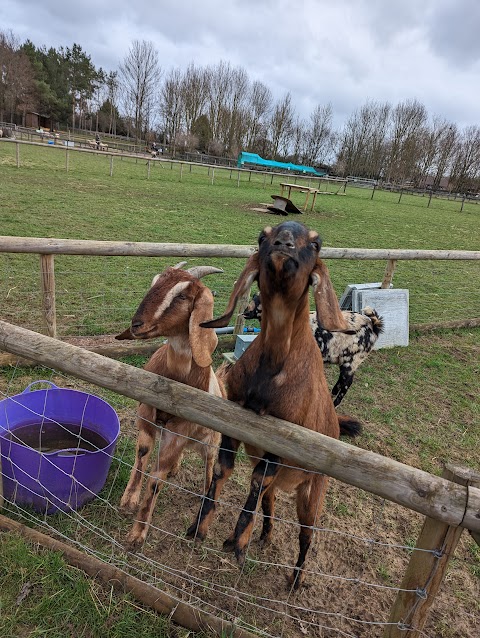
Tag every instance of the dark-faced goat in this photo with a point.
(347, 351)
(281, 374)
(174, 307)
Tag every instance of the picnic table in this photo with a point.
(304, 189)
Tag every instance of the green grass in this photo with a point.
(41, 595)
(42, 199)
(418, 404)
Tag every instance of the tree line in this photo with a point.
(219, 110)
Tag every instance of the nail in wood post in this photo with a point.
(388, 274)
(48, 293)
(426, 570)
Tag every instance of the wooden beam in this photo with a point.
(418, 490)
(52, 246)
(180, 612)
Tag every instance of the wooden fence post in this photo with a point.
(388, 274)
(111, 165)
(47, 268)
(17, 153)
(426, 569)
(66, 158)
(148, 169)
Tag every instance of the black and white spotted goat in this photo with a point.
(347, 351)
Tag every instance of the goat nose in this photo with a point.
(285, 238)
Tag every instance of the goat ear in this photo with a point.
(329, 315)
(202, 342)
(241, 286)
(127, 334)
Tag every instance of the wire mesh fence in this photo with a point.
(360, 549)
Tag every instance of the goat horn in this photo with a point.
(201, 271)
(180, 264)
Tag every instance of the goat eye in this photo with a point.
(181, 296)
(261, 238)
(315, 245)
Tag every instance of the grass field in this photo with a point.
(419, 404)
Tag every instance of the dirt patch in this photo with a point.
(355, 564)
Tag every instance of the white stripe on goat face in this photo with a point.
(169, 297)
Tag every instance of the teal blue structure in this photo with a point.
(252, 159)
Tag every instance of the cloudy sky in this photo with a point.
(341, 52)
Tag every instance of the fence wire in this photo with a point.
(360, 548)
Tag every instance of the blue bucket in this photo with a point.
(56, 446)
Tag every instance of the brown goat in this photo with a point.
(174, 307)
(281, 374)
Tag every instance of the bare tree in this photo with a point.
(194, 94)
(436, 144)
(17, 87)
(318, 135)
(219, 88)
(260, 104)
(172, 106)
(465, 173)
(281, 123)
(298, 140)
(408, 120)
(363, 140)
(140, 74)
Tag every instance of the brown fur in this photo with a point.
(174, 306)
(281, 374)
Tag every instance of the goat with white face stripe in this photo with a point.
(175, 305)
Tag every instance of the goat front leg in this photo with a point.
(310, 498)
(343, 383)
(171, 449)
(268, 509)
(221, 473)
(263, 477)
(145, 423)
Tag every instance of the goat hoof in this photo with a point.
(194, 534)
(265, 541)
(128, 505)
(295, 580)
(240, 556)
(229, 544)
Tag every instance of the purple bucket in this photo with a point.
(56, 447)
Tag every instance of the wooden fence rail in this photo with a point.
(448, 506)
(450, 503)
(47, 248)
(418, 490)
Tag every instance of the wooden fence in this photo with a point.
(48, 248)
(450, 503)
